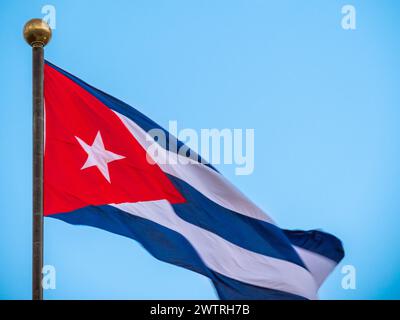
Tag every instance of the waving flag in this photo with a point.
(97, 173)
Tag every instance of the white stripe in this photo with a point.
(319, 266)
(227, 258)
(205, 180)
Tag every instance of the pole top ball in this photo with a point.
(37, 33)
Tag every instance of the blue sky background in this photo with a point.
(324, 103)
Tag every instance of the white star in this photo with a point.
(98, 156)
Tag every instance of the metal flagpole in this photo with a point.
(37, 33)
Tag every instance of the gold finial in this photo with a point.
(37, 33)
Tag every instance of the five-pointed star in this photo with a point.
(98, 156)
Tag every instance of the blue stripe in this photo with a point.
(171, 143)
(317, 241)
(229, 289)
(168, 246)
(249, 233)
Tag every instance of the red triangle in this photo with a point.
(73, 112)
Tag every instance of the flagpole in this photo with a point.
(37, 33)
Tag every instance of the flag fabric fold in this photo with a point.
(97, 173)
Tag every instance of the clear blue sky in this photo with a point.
(324, 103)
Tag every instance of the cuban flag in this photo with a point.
(97, 173)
